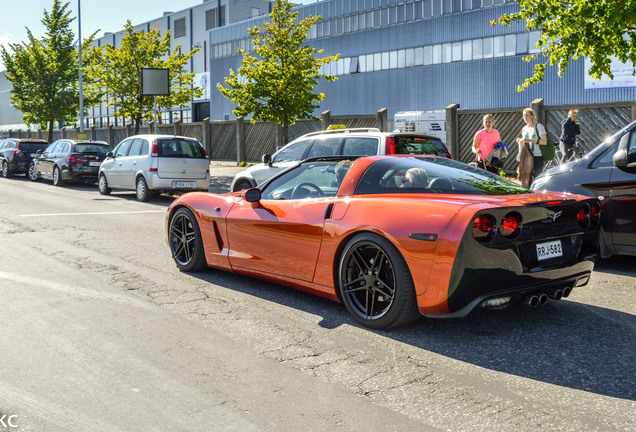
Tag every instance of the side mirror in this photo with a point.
(38, 152)
(267, 159)
(252, 195)
(110, 155)
(620, 158)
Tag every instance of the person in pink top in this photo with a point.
(484, 142)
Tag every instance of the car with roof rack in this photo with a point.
(339, 142)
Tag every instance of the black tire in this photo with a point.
(242, 185)
(57, 177)
(5, 170)
(102, 185)
(375, 283)
(32, 174)
(186, 244)
(142, 191)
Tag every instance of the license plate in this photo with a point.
(549, 250)
(33, 155)
(94, 163)
(184, 184)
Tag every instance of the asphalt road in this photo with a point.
(101, 332)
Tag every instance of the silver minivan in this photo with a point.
(149, 163)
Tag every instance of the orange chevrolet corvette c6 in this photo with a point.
(394, 237)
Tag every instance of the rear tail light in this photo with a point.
(390, 145)
(581, 217)
(510, 225)
(155, 149)
(204, 152)
(595, 214)
(16, 152)
(74, 159)
(484, 227)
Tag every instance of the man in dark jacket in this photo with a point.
(569, 130)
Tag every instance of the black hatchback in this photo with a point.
(16, 154)
(609, 173)
(69, 160)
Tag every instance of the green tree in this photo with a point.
(44, 73)
(278, 85)
(119, 70)
(595, 29)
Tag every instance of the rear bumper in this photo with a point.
(81, 173)
(156, 183)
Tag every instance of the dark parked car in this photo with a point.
(608, 172)
(69, 160)
(16, 154)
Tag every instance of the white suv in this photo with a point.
(349, 142)
(147, 163)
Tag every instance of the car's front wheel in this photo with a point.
(143, 191)
(102, 185)
(375, 283)
(57, 177)
(33, 174)
(185, 241)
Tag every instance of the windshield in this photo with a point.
(96, 148)
(433, 175)
(309, 180)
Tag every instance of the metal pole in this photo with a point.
(81, 89)
(156, 115)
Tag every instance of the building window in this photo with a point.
(409, 57)
(447, 53)
(522, 43)
(419, 56)
(255, 12)
(488, 48)
(499, 46)
(179, 28)
(437, 54)
(385, 60)
(428, 55)
(532, 42)
(478, 49)
(457, 51)
(210, 19)
(222, 23)
(467, 50)
(511, 41)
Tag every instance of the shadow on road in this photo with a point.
(565, 343)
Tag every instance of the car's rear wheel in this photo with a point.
(57, 177)
(242, 185)
(375, 283)
(102, 185)
(5, 170)
(143, 191)
(185, 241)
(32, 173)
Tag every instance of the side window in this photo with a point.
(135, 148)
(144, 148)
(292, 152)
(631, 149)
(324, 147)
(122, 149)
(360, 146)
(605, 159)
(66, 148)
(50, 148)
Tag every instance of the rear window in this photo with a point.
(177, 148)
(420, 145)
(29, 146)
(433, 175)
(96, 148)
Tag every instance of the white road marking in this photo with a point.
(92, 213)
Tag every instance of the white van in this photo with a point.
(147, 163)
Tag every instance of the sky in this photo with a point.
(105, 16)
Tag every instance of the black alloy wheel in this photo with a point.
(57, 177)
(102, 185)
(32, 173)
(185, 241)
(5, 170)
(143, 192)
(375, 283)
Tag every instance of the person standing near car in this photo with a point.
(484, 142)
(569, 130)
(533, 135)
